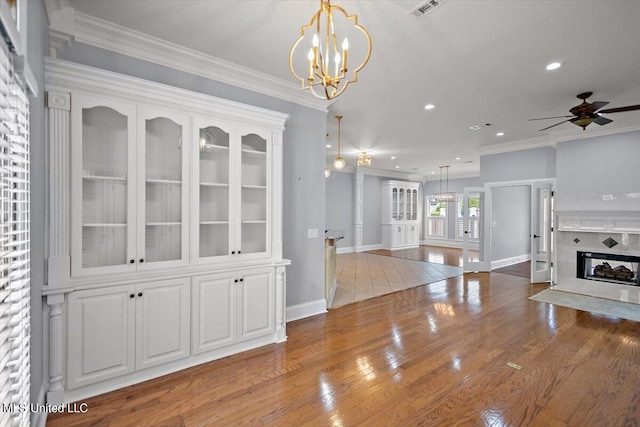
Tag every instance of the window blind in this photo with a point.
(15, 249)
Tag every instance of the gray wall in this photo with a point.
(511, 221)
(339, 207)
(304, 157)
(456, 185)
(534, 163)
(372, 231)
(37, 45)
(593, 167)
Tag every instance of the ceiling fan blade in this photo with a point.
(595, 106)
(602, 120)
(546, 118)
(564, 121)
(621, 109)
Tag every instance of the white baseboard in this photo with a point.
(370, 247)
(307, 309)
(346, 250)
(510, 261)
(446, 243)
(39, 418)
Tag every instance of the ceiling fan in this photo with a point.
(589, 112)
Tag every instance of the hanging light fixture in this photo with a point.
(363, 159)
(446, 195)
(324, 79)
(327, 171)
(339, 162)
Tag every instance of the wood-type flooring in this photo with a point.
(433, 355)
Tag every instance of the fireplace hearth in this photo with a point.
(609, 268)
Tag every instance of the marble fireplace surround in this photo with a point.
(586, 231)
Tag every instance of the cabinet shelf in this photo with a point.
(213, 184)
(213, 222)
(104, 224)
(104, 178)
(211, 147)
(259, 221)
(164, 181)
(159, 224)
(254, 153)
(255, 187)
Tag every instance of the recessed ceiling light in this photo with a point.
(429, 107)
(554, 66)
(457, 158)
(433, 173)
(393, 157)
(397, 167)
(328, 145)
(475, 127)
(500, 134)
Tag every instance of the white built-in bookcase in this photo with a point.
(165, 229)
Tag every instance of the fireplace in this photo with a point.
(608, 268)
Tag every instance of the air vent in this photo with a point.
(426, 7)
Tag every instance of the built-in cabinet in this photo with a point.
(400, 214)
(172, 204)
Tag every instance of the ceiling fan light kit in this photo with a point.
(589, 112)
(323, 68)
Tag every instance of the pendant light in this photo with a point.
(446, 195)
(339, 162)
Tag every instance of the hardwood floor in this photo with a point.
(431, 355)
(522, 269)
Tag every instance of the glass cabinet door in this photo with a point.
(254, 202)
(103, 185)
(394, 203)
(214, 234)
(414, 205)
(401, 203)
(163, 237)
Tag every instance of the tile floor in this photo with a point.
(362, 275)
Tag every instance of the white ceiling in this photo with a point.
(478, 61)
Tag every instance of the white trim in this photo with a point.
(345, 250)
(510, 261)
(524, 144)
(445, 243)
(370, 247)
(115, 38)
(589, 221)
(573, 136)
(307, 309)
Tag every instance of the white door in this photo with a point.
(541, 232)
(101, 335)
(162, 322)
(214, 314)
(476, 235)
(257, 304)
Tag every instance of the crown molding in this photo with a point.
(523, 144)
(66, 25)
(572, 136)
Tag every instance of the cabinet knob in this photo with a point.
(235, 281)
(242, 280)
(131, 261)
(239, 252)
(131, 296)
(139, 294)
(233, 252)
(141, 260)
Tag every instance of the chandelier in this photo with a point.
(323, 68)
(446, 195)
(363, 159)
(339, 162)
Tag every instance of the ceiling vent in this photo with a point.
(426, 7)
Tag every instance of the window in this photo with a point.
(15, 249)
(436, 218)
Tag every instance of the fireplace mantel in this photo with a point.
(599, 221)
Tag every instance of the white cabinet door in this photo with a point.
(397, 236)
(412, 234)
(103, 186)
(257, 304)
(162, 322)
(162, 188)
(101, 335)
(215, 312)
